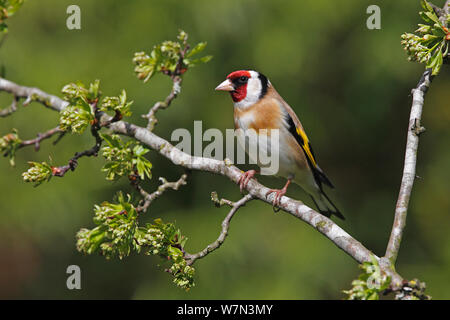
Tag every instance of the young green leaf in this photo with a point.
(197, 49)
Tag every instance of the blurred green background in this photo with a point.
(349, 85)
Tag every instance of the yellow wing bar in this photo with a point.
(306, 146)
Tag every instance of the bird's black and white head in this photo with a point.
(246, 87)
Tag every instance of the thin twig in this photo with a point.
(150, 197)
(191, 258)
(409, 170)
(176, 89)
(40, 136)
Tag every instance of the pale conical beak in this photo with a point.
(225, 86)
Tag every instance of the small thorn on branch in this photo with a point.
(417, 128)
(27, 101)
(219, 203)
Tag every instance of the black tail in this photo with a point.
(326, 206)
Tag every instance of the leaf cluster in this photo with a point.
(430, 43)
(117, 104)
(169, 57)
(165, 240)
(370, 283)
(83, 102)
(118, 234)
(77, 116)
(113, 236)
(7, 9)
(125, 158)
(9, 144)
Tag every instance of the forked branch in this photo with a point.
(191, 258)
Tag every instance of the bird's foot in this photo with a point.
(279, 193)
(245, 178)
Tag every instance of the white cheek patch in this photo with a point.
(254, 88)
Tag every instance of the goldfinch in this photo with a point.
(257, 105)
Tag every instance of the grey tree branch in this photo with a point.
(33, 94)
(296, 208)
(409, 170)
(191, 258)
(412, 143)
(11, 109)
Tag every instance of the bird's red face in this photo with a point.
(245, 86)
(239, 80)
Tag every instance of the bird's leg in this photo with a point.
(278, 193)
(245, 178)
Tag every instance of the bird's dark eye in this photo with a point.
(243, 79)
(239, 81)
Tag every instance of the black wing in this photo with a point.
(303, 141)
